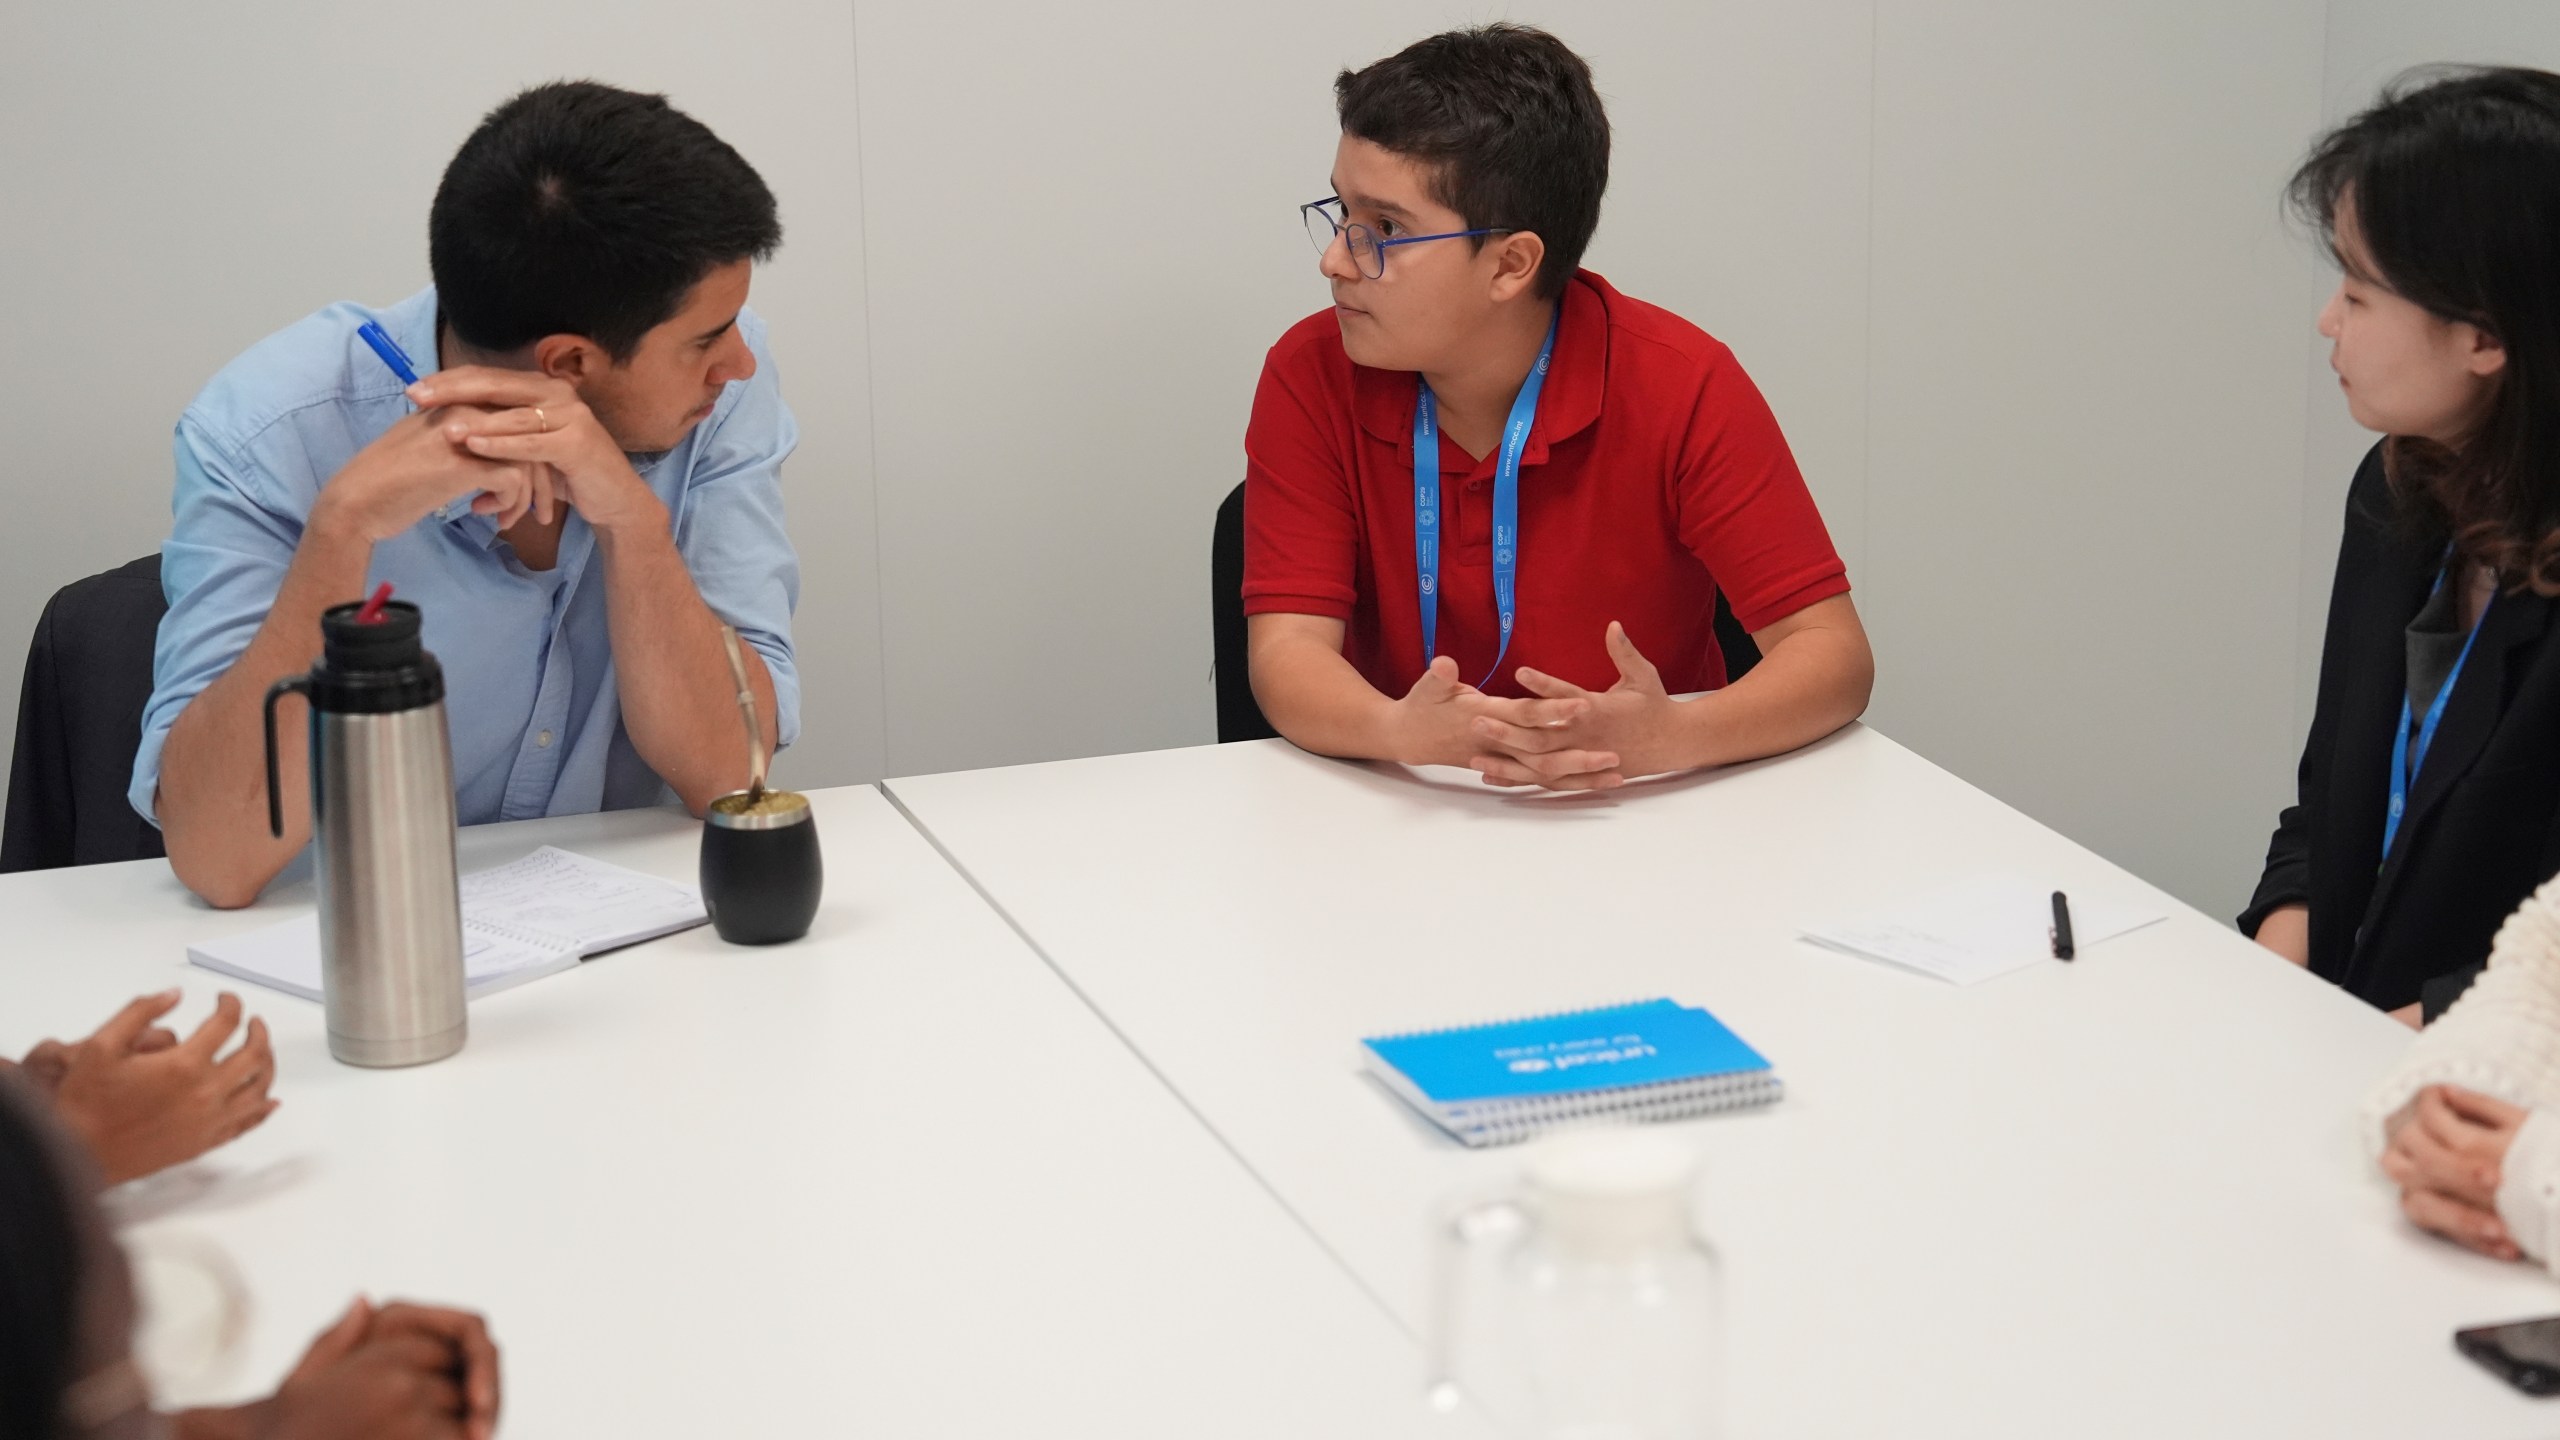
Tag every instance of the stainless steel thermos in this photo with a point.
(382, 824)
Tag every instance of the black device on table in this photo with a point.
(2524, 1353)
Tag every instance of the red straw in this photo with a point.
(370, 613)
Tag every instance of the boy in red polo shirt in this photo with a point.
(1603, 467)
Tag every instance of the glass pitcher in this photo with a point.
(1586, 1306)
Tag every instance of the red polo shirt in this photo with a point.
(1654, 475)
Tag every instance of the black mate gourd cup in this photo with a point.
(761, 877)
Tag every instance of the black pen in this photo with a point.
(2062, 946)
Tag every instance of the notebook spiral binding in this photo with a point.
(1503, 1122)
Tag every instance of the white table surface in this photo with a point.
(2119, 1197)
(891, 1180)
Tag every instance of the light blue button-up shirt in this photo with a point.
(529, 675)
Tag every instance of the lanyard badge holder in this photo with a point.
(2406, 760)
(1506, 503)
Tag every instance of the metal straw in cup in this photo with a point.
(756, 757)
(761, 874)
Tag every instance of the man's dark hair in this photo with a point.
(580, 209)
(1505, 119)
(2454, 180)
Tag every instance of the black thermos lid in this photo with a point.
(388, 642)
(374, 666)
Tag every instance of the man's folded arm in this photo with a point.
(246, 584)
(732, 563)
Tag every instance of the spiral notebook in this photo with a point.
(1493, 1084)
(522, 921)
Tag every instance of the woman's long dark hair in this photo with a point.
(2454, 176)
(40, 1269)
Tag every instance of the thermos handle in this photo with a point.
(290, 685)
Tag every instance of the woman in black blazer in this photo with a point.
(2440, 672)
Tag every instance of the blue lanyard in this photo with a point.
(1506, 503)
(2404, 762)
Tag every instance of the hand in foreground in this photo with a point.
(528, 418)
(1634, 723)
(1436, 720)
(2447, 1153)
(51, 1059)
(400, 1372)
(144, 1100)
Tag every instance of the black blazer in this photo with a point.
(79, 723)
(2483, 825)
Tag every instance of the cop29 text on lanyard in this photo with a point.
(1506, 503)
(2406, 761)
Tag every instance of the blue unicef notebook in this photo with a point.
(1488, 1084)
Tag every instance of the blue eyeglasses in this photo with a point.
(1368, 251)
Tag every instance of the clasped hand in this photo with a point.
(389, 1372)
(518, 442)
(1567, 737)
(2447, 1153)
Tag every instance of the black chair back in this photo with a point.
(1240, 718)
(1741, 652)
(79, 723)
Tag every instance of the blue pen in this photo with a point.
(372, 334)
(380, 342)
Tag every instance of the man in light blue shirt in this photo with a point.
(583, 489)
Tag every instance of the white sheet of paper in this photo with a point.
(1979, 928)
(520, 921)
(590, 903)
(287, 956)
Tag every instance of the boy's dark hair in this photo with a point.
(2454, 181)
(580, 209)
(1506, 120)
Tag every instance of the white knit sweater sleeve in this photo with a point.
(2502, 1038)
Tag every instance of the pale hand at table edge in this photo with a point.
(2287, 932)
(2473, 1106)
(2447, 1152)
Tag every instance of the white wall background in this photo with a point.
(2086, 398)
(2014, 275)
(177, 181)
